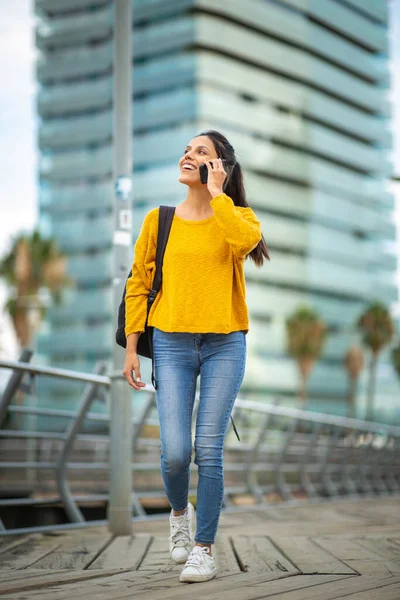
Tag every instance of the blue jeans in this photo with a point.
(220, 361)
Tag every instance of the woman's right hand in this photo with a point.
(132, 363)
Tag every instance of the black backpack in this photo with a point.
(145, 342)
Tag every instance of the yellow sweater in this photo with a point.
(203, 283)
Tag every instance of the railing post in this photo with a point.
(364, 464)
(377, 482)
(30, 425)
(13, 385)
(325, 471)
(71, 508)
(304, 462)
(346, 481)
(283, 488)
(383, 464)
(391, 465)
(251, 477)
(138, 428)
(120, 506)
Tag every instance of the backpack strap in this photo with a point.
(165, 216)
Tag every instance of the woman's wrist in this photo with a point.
(132, 341)
(215, 192)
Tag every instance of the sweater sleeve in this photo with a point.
(139, 284)
(240, 225)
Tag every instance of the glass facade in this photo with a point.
(300, 89)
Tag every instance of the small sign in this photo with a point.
(123, 187)
(125, 219)
(122, 238)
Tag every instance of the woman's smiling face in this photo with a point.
(198, 150)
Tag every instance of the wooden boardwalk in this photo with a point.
(344, 549)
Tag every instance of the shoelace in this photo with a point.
(196, 556)
(179, 536)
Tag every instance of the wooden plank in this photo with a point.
(158, 558)
(236, 587)
(241, 523)
(224, 554)
(166, 586)
(75, 552)
(351, 587)
(259, 555)
(124, 552)
(373, 532)
(391, 591)
(277, 589)
(244, 586)
(309, 558)
(102, 586)
(9, 541)
(382, 512)
(362, 560)
(6, 574)
(136, 581)
(56, 585)
(314, 513)
(222, 548)
(38, 579)
(383, 546)
(306, 530)
(323, 525)
(22, 556)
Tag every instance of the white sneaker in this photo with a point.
(200, 566)
(181, 539)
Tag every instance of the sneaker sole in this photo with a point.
(197, 578)
(180, 562)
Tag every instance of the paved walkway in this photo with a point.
(344, 549)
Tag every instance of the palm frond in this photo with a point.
(376, 327)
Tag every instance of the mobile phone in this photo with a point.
(204, 171)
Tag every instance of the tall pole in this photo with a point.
(120, 507)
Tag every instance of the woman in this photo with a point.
(200, 322)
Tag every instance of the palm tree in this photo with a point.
(377, 329)
(306, 334)
(396, 359)
(354, 364)
(33, 263)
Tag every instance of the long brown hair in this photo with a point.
(235, 186)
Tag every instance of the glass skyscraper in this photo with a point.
(300, 89)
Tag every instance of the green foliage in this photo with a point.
(377, 330)
(376, 327)
(396, 359)
(42, 252)
(32, 263)
(306, 333)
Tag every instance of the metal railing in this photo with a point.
(285, 454)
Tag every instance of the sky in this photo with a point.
(18, 126)
(395, 76)
(18, 164)
(17, 109)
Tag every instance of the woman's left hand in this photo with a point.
(216, 176)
